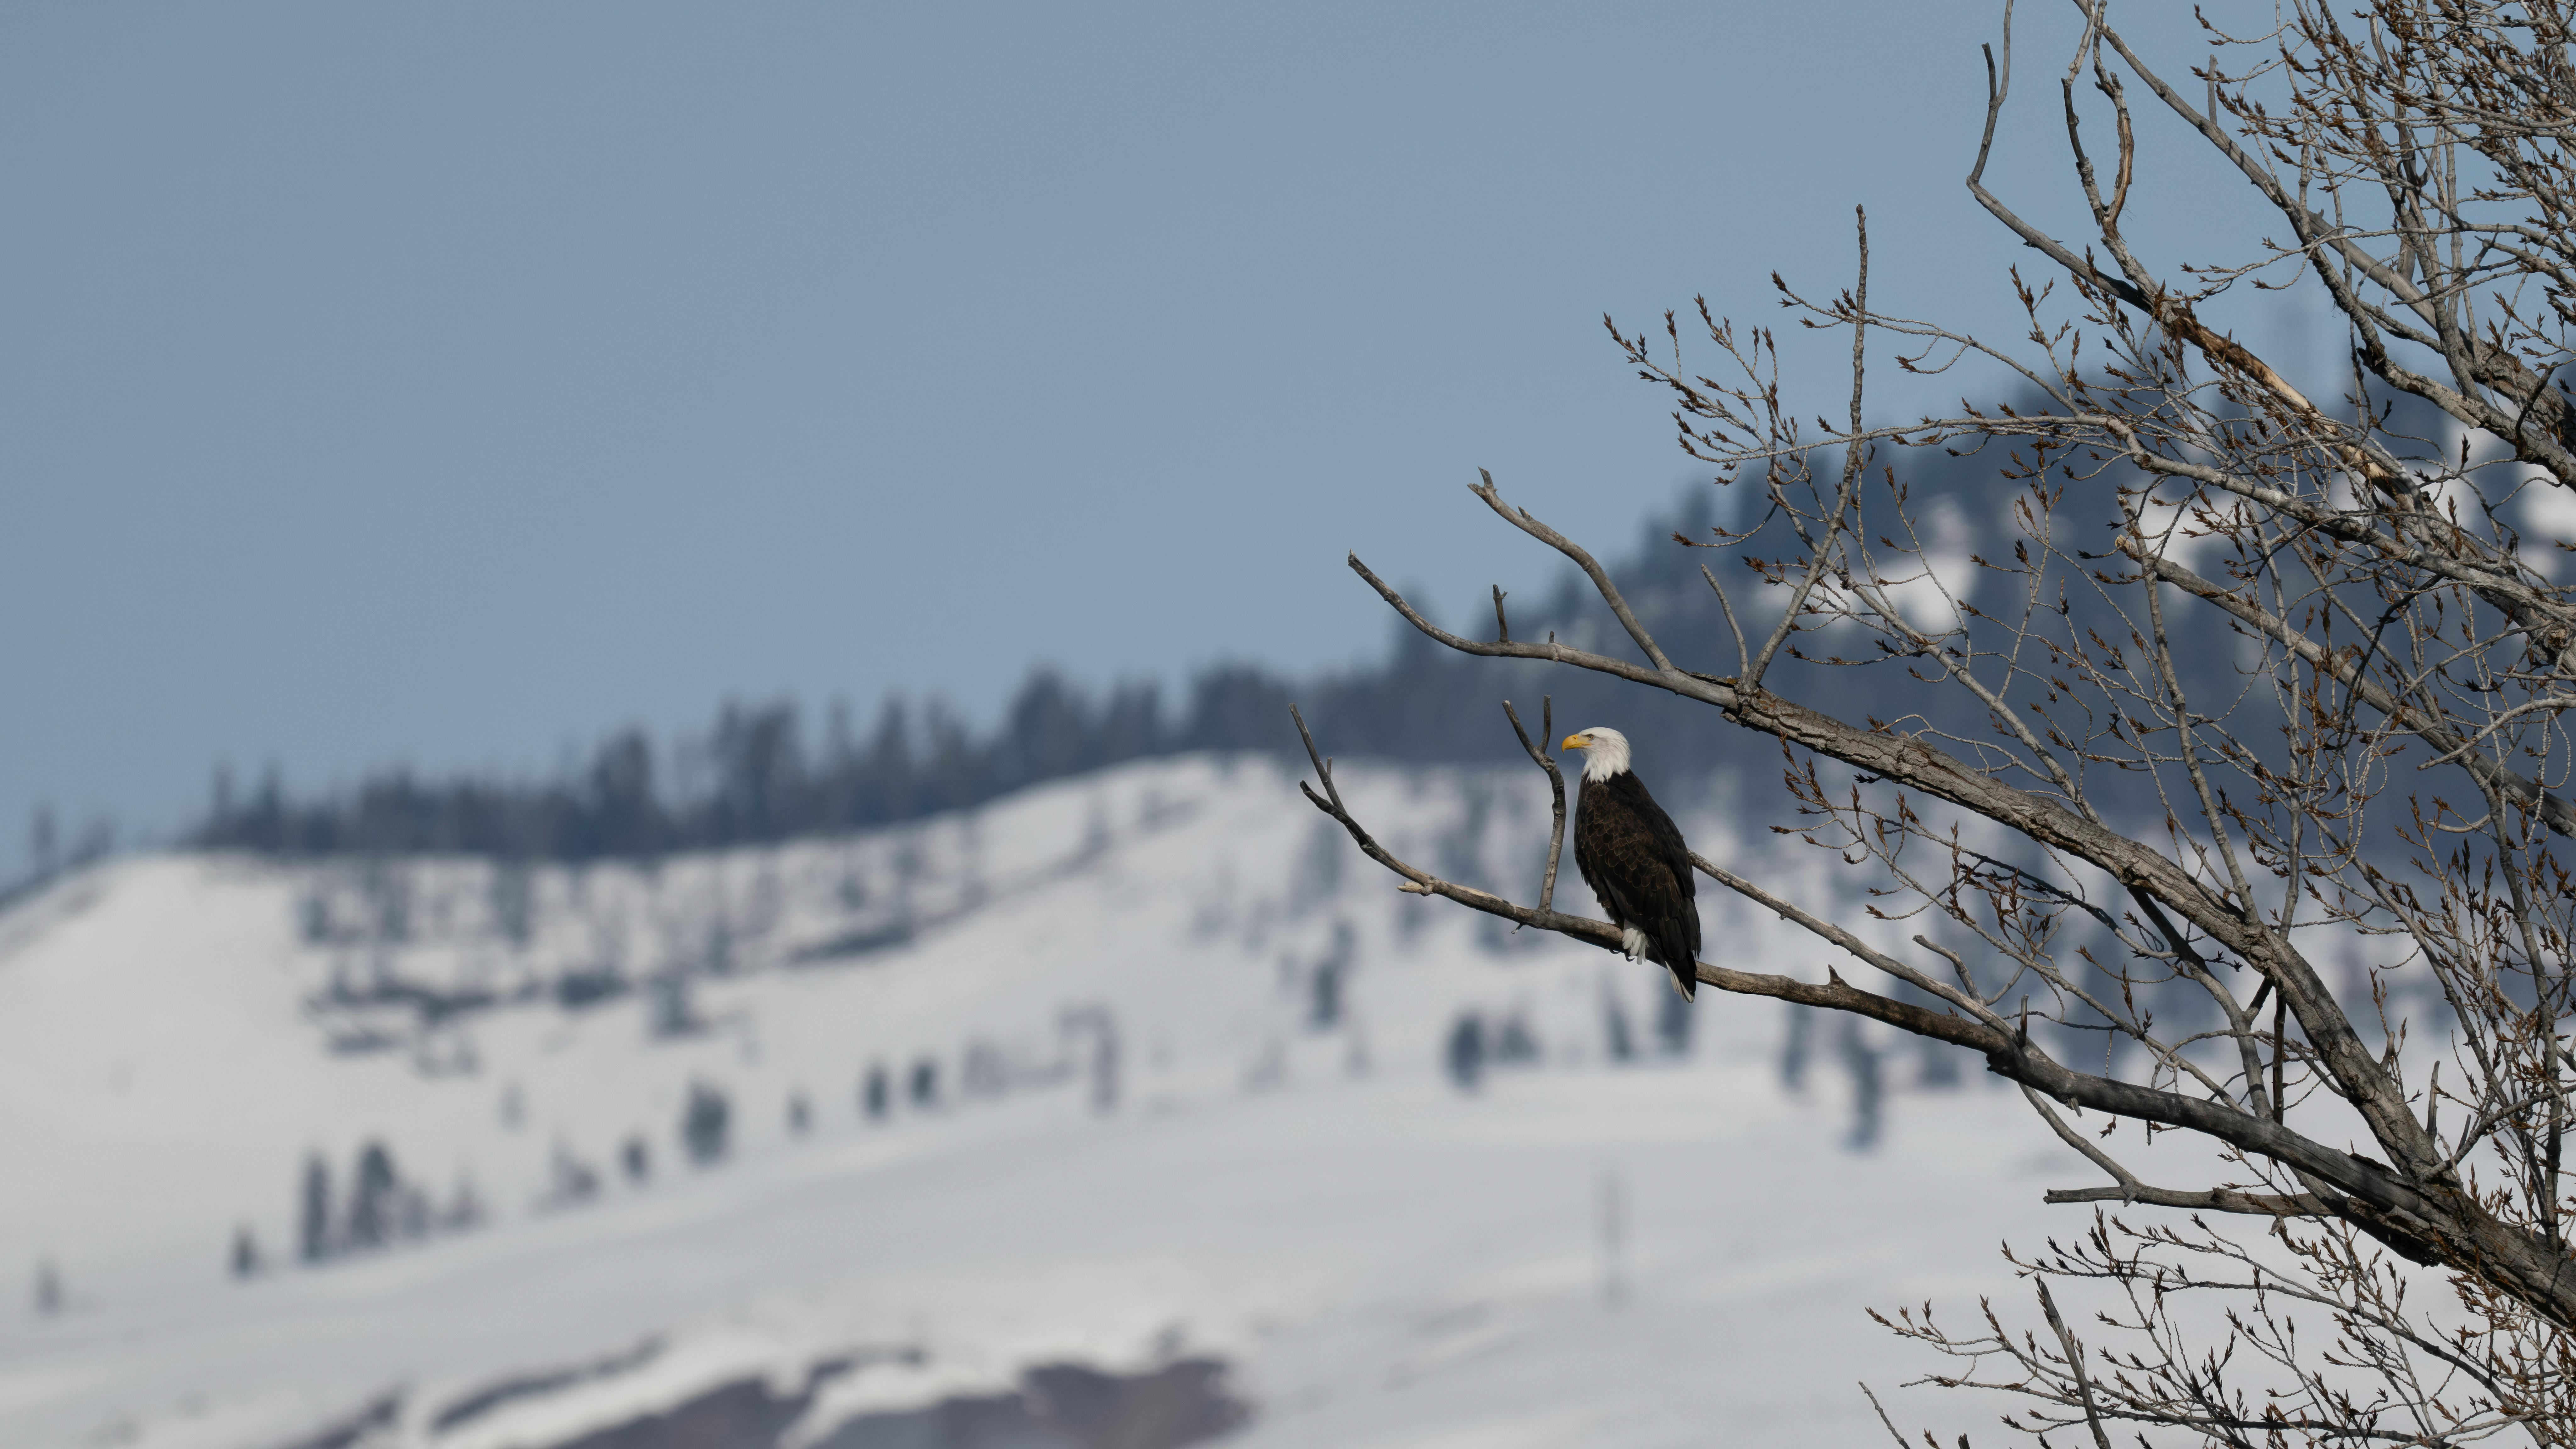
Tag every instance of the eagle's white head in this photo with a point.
(1605, 751)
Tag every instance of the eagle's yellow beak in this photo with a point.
(1574, 742)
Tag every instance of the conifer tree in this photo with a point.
(313, 1216)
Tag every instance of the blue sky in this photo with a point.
(453, 383)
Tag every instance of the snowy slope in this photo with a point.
(1143, 1141)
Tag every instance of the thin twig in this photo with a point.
(2075, 1364)
(1882, 1416)
(1555, 787)
(1821, 552)
(1743, 659)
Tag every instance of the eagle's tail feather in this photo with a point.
(1686, 981)
(1678, 957)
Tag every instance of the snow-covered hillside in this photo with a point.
(1163, 1074)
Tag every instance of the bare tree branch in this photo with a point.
(2301, 725)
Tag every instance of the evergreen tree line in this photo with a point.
(759, 773)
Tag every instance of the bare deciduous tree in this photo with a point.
(2265, 684)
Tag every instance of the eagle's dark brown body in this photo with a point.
(1633, 857)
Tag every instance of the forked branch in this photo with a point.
(1555, 787)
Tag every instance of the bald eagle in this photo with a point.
(1634, 860)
